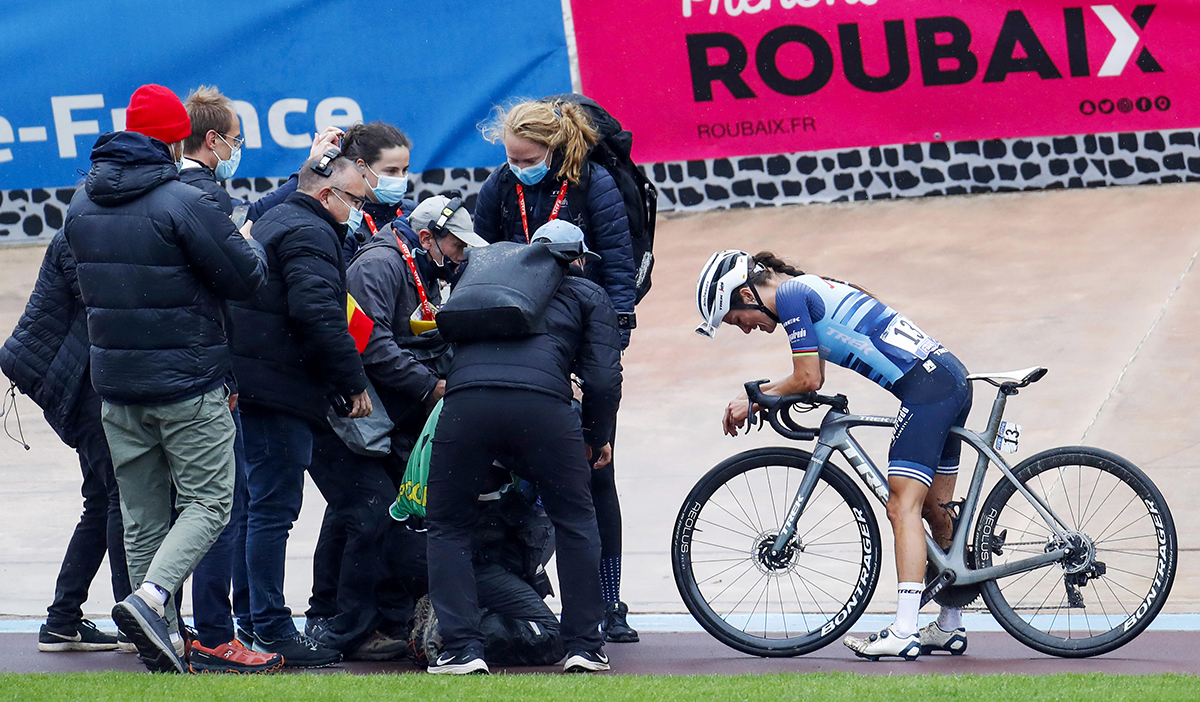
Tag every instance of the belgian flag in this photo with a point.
(358, 321)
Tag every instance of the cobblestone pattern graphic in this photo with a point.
(938, 168)
(839, 175)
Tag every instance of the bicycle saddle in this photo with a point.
(1022, 377)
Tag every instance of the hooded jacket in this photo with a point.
(154, 259)
(291, 344)
(47, 354)
(402, 366)
(594, 205)
(581, 337)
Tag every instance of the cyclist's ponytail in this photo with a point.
(773, 265)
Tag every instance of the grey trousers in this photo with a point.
(188, 445)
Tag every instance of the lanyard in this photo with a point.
(562, 195)
(426, 308)
(371, 221)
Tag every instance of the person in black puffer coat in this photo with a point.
(294, 358)
(47, 359)
(155, 258)
(513, 398)
(546, 143)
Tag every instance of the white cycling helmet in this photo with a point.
(724, 273)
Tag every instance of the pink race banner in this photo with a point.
(715, 78)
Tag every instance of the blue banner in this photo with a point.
(434, 69)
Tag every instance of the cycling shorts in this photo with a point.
(935, 395)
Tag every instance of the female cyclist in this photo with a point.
(830, 320)
(547, 176)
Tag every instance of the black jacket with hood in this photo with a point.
(403, 366)
(581, 337)
(155, 258)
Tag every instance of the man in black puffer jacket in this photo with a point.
(513, 398)
(293, 355)
(47, 359)
(155, 258)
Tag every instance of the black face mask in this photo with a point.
(444, 270)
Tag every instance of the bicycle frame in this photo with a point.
(835, 436)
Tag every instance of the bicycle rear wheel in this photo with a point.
(787, 604)
(1123, 561)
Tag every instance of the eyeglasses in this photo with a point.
(237, 141)
(355, 201)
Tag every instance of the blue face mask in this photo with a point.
(226, 168)
(532, 175)
(354, 220)
(390, 189)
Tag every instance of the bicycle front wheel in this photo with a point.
(1123, 552)
(784, 604)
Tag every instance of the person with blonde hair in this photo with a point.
(548, 176)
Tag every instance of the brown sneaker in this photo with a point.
(232, 657)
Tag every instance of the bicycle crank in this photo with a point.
(956, 596)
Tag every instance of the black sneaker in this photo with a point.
(299, 651)
(616, 629)
(244, 635)
(585, 662)
(145, 625)
(83, 636)
(125, 644)
(316, 628)
(468, 660)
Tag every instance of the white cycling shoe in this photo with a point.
(885, 643)
(934, 639)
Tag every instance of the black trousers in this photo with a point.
(357, 490)
(99, 529)
(543, 436)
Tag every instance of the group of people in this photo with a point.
(201, 365)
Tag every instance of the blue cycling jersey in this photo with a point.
(846, 326)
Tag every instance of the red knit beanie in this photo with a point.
(157, 112)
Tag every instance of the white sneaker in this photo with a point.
(934, 639)
(885, 643)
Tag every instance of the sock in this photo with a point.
(151, 590)
(610, 579)
(908, 606)
(949, 619)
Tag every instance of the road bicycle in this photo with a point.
(776, 551)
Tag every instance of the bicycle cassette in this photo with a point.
(956, 596)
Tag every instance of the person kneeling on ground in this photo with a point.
(512, 398)
(510, 545)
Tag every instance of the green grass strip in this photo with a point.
(822, 687)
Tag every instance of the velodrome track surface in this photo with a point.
(699, 654)
(1096, 285)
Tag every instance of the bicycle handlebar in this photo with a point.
(776, 409)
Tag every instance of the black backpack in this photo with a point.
(504, 291)
(640, 195)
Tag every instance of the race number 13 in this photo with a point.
(902, 334)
